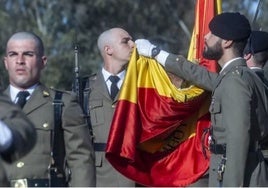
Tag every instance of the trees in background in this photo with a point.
(62, 24)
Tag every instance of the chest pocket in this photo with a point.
(215, 107)
(96, 112)
(216, 114)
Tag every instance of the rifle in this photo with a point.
(81, 88)
(77, 79)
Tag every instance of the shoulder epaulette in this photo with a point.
(93, 76)
(237, 70)
(89, 77)
(60, 90)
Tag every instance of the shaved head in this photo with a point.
(29, 36)
(107, 38)
(103, 39)
(115, 46)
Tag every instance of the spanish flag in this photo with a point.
(204, 12)
(155, 136)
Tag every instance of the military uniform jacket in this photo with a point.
(24, 135)
(237, 111)
(260, 73)
(78, 147)
(102, 108)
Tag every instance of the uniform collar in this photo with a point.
(14, 91)
(106, 74)
(229, 62)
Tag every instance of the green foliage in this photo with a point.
(62, 24)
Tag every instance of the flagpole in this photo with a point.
(256, 14)
(219, 6)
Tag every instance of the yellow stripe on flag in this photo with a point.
(149, 78)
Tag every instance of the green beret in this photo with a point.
(230, 26)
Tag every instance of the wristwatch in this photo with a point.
(155, 51)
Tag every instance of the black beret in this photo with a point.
(257, 42)
(230, 26)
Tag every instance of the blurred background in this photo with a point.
(63, 24)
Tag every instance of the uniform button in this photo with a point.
(45, 125)
(21, 183)
(177, 59)
(20, 164)
(45, 93)
(113, 105)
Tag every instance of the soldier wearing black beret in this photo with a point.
(256, 53)
(239, 101)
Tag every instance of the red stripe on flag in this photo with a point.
(172, 112)
(170, 168)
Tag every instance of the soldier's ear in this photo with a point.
(108, 50)
(6, 63)
(247, 56)
(43, 61)
(227, 43)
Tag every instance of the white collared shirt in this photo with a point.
(229, 62)
(14, 91)
(106, 76)
(256, 68)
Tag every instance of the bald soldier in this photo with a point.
(115, 46)
(63, 155)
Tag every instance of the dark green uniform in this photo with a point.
(77, 143)
(23, 132)
(101, 113)
(238, 109)
(260, 73)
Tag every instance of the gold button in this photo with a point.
(20, 183)
(20, 164)
(45, 125)
(45, 93)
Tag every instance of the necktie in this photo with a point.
(114, 88)
(22, 95)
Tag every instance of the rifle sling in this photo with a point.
(57, 135)
(86, 109)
